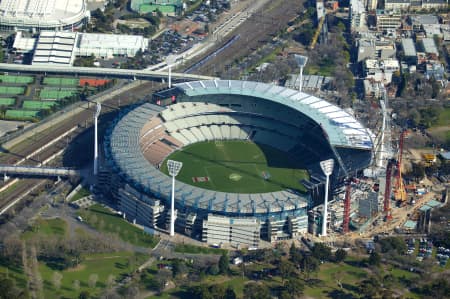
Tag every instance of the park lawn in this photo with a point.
(444, 118)
(83, 192)
(238, 166)
(186, 248)
(55, 226)
(349, 275)
(104, 220)
(117, 264)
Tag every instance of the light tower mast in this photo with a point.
(174, 168)
(96, 115)
(327, 168)
(301, 61)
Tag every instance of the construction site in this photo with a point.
(383, 202)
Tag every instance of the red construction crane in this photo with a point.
(387, 191)
(348, 190)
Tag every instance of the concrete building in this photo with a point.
(108, 45)
(23, 44)
(234, 231)
(434, 4)
(389, 21)
(429, 46)
(399, 5)
(42, 14)
(372, 48)
(357, 15)
(409, 51)
(139, 208)
(55, 47)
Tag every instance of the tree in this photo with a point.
(93, 278)
(110, 281)
(178, 268)
(224, 264)
(56, 280)
(253, 290)
(294, 286)
(213, 269)
(286, 269)
(230, 293)
(76, 285)
(84, 295)
(321, 252)
(309, 264)
(374, 259)
(340, 255)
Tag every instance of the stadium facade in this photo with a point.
(305, 127)
(39, 15)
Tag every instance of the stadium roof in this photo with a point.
(41, 13)
(124, 149)
(341, 127)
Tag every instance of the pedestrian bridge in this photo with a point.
(37, 171)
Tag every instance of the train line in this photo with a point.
(28, 153)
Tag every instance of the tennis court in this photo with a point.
(14, 90)
(60, 81)
(38, 105)
(7, 101)
(57, 93)
(16, 79)
(21, 114)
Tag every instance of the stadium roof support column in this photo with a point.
(327, 168)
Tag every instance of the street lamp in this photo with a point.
(327, 168)
(174, 168)
(301, 61)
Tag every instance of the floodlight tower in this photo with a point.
(327, 168)
(170, 60)
(301, 61)
(174, 168)
(96, 115)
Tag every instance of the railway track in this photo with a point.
(23, 152)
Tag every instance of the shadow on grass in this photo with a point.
(351, 288)
(120, 265)
(357, 264)
(339, 294)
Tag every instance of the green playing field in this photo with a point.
(237, 167)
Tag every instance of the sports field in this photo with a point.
(237, 167)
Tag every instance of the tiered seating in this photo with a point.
(151, 136)
(206, 132)
(234, 132)
(154, 122)
(225, 130)
(180, 137)
(198, 134)
(173, 140)
(242, 134)
(189, 136)
(157, 151)
(215, 130)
